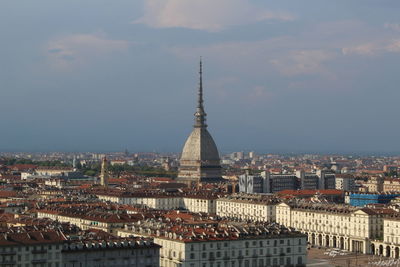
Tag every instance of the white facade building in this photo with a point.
(343, 227)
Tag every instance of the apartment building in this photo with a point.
(52, 248)
(34, 248)
(345, 182)
(118, 252)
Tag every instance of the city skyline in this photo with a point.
(278, 77)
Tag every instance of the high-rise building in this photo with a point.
(200, 161)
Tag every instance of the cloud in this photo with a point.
(79, 49)
(276, 54)
(373, 48)
(209, 15)
(259, 93)
(392, 26)
(303, 62)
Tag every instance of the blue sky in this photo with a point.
(103, 75)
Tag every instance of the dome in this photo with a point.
(200, 146)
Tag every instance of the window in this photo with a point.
(299, 260)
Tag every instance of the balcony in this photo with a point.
(39, 261)
(5, 253)
(39, 251)
(8, 262)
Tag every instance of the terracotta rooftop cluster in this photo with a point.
(90, 214)
(156, 194)
(256, 199)
(31, 238)
(217, 231)
(336, 208)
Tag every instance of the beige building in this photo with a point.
(200, 204)
(391, 185)
(374, 184)
(193, 203)
(106, 222)
(247, 207)
(224, 246)
(53, 171)
(160, 202)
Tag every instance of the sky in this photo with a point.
(279, 76)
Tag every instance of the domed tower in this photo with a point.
(200, 160)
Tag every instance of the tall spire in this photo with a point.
(200, 115)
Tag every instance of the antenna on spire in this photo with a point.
(200, 114)
(200, 93)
